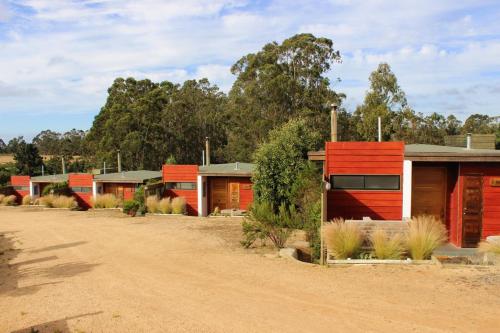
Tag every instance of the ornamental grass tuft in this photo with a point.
(425, 234)
(105, 201)
(385, 246)
(178, 205)
(165, 206)
(152, 204)
(343, 240)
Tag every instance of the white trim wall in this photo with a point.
(199, 188)
(407, 188)
(94, 189)
(32, 190)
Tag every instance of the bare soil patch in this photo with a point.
(66, 271)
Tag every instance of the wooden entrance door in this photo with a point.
(218, 193)
(472, 211)
(429, 192)
(234, 195)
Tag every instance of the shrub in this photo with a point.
(178, 205)
(105, 201)
(385, 247)
(263, 223)
(131, 207)
(9, 200)
(47, 200)
(57, 189)
(152, 203)
(2, 196)
(343, 240)
(139, 195)
(489, 247)
(165, 206)
(425, 234)
(62, 201)
(26, 200)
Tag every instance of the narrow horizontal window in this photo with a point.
(180, 186)
(21, 188)
(365, 182)
(81, 189)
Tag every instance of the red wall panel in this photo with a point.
(81, 180)
(364, 158)
(182, 173)
(246, 191)
(20, 181)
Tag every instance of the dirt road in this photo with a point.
(86, 272)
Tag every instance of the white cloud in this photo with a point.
(69, 52)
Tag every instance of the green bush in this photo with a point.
(131, 207)
(139, 195)
(57, 189)
(264, 223)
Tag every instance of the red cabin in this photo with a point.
(394, 181)
(206, 188)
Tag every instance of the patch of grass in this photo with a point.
(152, 204)
(26, 200)
(165, 206)
(489, 247)
(105, 201)
(58, 201)
(425, 234)
(2, 196)
(343, 240)
(178, 205)
(385, 246)
(9, 200)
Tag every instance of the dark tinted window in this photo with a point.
(180, 186)
(82, 189)
(365, 182)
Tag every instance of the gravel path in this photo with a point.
(96, 272)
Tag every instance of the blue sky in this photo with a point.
(58, 57)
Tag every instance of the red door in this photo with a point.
(472, 211)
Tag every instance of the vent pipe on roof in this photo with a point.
(237, 167)
(379, 129)
(334, 122)
(43, 170)
(207, 148)
(104, 167)
(469, 141)
(119, 161)
(203, 157)
(63, 165)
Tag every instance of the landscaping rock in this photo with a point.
(289, 252)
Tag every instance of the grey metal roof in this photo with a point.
(58, 178)
(446, 153)
(227, 169)
(139, 176)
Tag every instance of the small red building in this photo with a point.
(394, 181)
(225, 186)
(20, 186)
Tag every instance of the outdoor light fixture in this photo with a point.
(328, 186)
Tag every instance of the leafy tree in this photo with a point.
(479, 124)
(48, 142)
(385, 99)
(3, 146)
(149, 121)
(280, 161)
(28, 161)
(279, 83)
(7, 170)
(14, 143)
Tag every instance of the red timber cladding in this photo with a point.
(81, 180)
(182, 173)
(364, 158)
(246, 191)
(23, 181)
(491, 197)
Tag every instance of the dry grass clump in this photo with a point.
(58, 201)
(343, 240)
(165, 206)
(26, 200)
(386, 247)
(152, 203)
(178, 205)
(426, 233)
(105, 201)
(493, 247)
(9, 200)
(2, 196)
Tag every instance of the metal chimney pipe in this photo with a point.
(203, 157)
(334, 123)
(63, 165)
(379, 129)
(43, 170)
(469, 141)
(207, 148)
(119, 161)
(104, 167)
